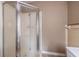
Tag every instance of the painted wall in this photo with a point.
(73, 18)
(73, 12)
(54, 20)
(73, 36)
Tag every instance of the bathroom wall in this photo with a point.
(73, 36)
(73, 12)
(73, 18)
(54, 19)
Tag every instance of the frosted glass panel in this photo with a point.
(28, 42)
(25, 34)
(9, 31)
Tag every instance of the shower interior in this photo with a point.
(20, 30)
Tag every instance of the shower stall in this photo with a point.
(20, 30)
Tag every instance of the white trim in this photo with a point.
(66, 35)
(53, 53)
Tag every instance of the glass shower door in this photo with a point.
(28, 40)
(20, 30)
